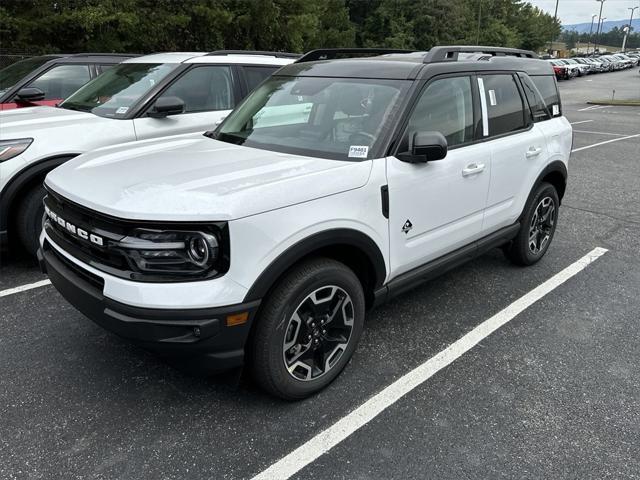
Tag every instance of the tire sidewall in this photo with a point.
(544, 190)
(31, 215)
(340, 277)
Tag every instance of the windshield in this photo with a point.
(15, 72)
(114, 92)
(336, 118)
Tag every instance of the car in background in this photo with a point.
(592, 66)
(49, 79)
(629, 61)
(580, 68)
(142, 98)
(561, 72)
(570, 71)
(617, 63)
(608, 64)
(600, 67)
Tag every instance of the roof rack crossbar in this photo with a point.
(331, 53)
(254, 52)
(450, 53)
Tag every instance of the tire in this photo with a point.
(540, 217)
(300, 307)
(29, 219)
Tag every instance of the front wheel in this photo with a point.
(308, 329)
(537, 228)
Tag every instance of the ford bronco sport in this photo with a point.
(338, 183)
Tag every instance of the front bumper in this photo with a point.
(197, 340)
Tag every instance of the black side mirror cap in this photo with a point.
(30, 94)
(165, 106)
(426, 147)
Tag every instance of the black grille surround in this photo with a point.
(108, 257)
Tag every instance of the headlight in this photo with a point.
(174, 252)
(12, 148)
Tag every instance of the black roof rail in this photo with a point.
(450, 53)
(254, 52)
(103, 55)
(331, 53)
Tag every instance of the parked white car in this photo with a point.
(145, 97)
(335, 185)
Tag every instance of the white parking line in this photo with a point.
(604, 143)
(601, 133)
(24, 288)
(581, 121)
(343, 428)
(593, 107)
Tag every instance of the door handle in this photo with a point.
(472, 169)
(534, 152)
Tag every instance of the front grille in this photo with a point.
(106, 228)
(97, 240)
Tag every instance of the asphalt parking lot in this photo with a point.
(554, 393)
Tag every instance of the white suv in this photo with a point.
(335, 185)
(145, 97)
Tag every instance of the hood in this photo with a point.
(27, 122)
(194, 178)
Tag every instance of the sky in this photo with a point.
(580, 11)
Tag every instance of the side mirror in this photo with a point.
(165, 106)
(426, 147)
(30, 94)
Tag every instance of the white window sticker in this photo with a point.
(492, 98)
(555, 110)
(358, 151)
(122, 110)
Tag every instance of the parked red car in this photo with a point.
(49, 79)
(561, 72)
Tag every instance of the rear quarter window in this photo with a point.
(546, 85)
(539, 110)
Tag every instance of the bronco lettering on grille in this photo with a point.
(73, 229)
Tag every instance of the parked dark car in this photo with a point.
(49, 79)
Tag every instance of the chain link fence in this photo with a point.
(9, 57)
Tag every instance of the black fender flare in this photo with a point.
(340, 237)
(23, 178)
(556, 167)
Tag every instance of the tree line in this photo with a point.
(143, 26)
(612, 38)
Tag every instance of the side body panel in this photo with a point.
(516, 161)
(443, 205)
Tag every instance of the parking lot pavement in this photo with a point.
(552, 394)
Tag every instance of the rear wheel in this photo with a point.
(537, 228)
(308, 329)
(29, 218)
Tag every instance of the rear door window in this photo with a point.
(61, 81)
(256, 75)
(505, 106)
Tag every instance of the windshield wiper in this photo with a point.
(73, 107)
